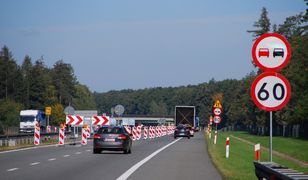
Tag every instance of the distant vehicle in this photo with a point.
(29, 118)
(112, 138)
(264, 52)
(181, 131)
(185, 115)
(278, 52)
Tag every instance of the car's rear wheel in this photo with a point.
(188, 137)
(96, 151)
(174, 137)
(125, 151)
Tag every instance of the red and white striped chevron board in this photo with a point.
(84, 136)
(146, 132)
(151, 132)
(100, 120)
(61, 136)
(37, 135)
(74, 120)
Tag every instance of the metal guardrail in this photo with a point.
(270, 170)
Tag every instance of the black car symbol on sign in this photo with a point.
(278, 52)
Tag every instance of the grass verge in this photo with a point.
(240, 163)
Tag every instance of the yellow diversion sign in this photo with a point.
(217, 104)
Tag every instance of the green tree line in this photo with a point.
(32, 85)
(238, 109)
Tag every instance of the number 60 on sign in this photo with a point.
(270, 91)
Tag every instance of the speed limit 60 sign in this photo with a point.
(270, 91)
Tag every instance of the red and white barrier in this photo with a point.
(88, 130)
(227, 147)
(61, 136)
(100, 120)
(37, 135)
(152, 134)
(134, 133)
(257, 152)
(74, 120)
(139, 132)
(145, 132)
(128, 129)
(84, 136)
(156, 131)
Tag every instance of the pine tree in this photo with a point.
(263, 25)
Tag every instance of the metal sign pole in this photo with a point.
(271, 136)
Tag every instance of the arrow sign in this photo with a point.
(74, 120)
(100, 120)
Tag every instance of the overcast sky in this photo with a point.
(136, 44)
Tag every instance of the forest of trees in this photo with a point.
(32, 85)
(238, 109)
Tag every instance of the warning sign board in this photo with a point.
(217, 104)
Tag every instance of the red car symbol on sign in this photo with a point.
(264, 52)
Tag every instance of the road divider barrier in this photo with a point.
(134, 133)
(139, 132)
(145, 132)
(84, 136)
(37, 135)
(61, 136)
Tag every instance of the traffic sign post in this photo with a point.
(271, 91)
(48, 113)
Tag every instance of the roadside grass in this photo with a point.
(296, 148)
(240, 163)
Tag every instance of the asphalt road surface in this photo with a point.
(159, 158)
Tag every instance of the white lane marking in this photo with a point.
(52, 159)
(78, 153)
(131, 170)
(89, 150)
(66, 155)
(13, 169)
(35, 163)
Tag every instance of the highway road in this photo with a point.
(159, 158)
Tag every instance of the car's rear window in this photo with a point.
(110, 130)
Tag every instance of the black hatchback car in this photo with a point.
(112, 138)
(181, 131)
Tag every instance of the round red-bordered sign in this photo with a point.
(217, 111)
(270, 91)
(271, 52)
(217, 119)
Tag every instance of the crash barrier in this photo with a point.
(271, 170)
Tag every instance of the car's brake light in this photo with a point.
(97, 136)
(121, 136)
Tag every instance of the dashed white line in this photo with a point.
(89, 150)
(52, 159)
(13, 169)
(78, 153)
(35, 163)
(66, 155)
